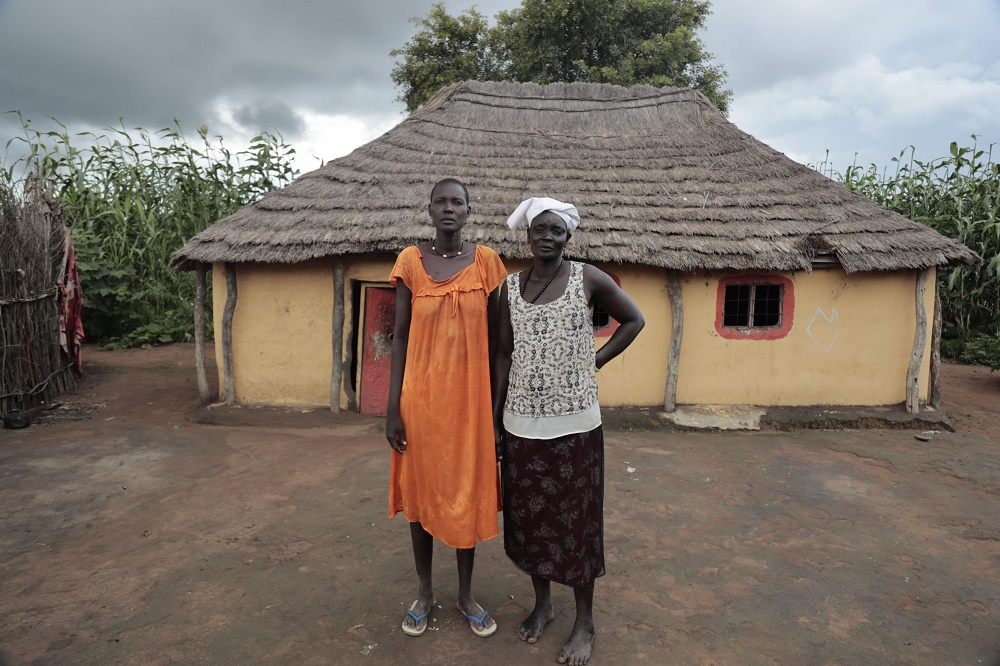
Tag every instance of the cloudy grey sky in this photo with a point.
(861, 79)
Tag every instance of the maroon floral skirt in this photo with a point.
(553, 506)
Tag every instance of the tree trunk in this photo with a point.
(919, 343)
(337, 375)
(676, 333)
(199, 332)
(934, 390)
(227, 334)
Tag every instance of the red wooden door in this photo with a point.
(376, 350)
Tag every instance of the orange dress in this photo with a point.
(447, 479)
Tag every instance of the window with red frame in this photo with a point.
(604, 324)
(754, 307)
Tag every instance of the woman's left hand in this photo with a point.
(500, 437)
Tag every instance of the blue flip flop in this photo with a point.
(417, 630)
(482, 631)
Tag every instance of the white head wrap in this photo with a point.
(531, 208)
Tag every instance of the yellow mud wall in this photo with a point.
(850, 340)
(281, 332)
(638, 377)
(282, 328)
(850, 344)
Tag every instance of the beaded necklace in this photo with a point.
(524, 284)
(447, 256)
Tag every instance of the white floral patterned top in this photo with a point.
(553, 386)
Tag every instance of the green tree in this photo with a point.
(625, 42)
(446, 49)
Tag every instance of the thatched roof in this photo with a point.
(660, 176)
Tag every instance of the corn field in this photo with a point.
(133, 197)
(958, 196)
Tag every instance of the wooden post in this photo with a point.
(919, 343)
(227, 334)
(934, 390)
(199, 331)
(336, 376)
(676, 333)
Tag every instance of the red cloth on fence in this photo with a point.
(70, 306)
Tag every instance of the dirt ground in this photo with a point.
(131, 534)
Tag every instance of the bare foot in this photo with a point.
(577, 650)
(531, 629)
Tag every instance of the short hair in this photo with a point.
(453, 181)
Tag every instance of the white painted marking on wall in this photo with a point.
(828, 330)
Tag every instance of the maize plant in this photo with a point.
(133, 198)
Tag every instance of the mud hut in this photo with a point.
(762, 281)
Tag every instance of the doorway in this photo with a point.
(379, 306)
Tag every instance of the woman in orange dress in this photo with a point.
(443, 475)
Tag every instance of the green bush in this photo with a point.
(982, 349)
(134, 198)
(951, 349)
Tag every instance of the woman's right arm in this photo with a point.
(394, 431)
(501, 367)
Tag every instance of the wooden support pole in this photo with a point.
(676, 333)
(199, 331)
(227, 334)
(336, 376)
(934, 390)
(919, 343)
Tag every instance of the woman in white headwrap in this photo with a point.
(548, 420)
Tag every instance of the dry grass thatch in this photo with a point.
(660, 176)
